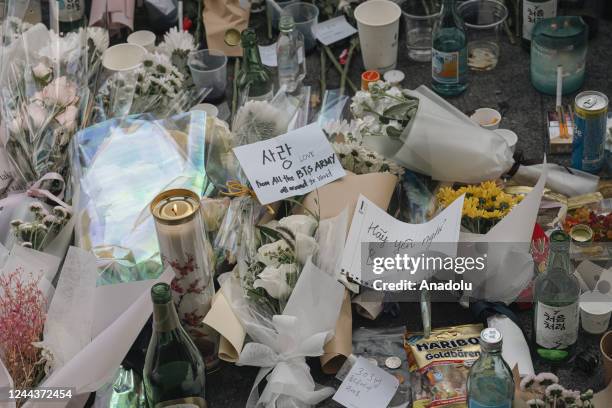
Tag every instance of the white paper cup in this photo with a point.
(595, 311)
(123, 57)
(210, 109)
(378, 25)
(144, 38)
(487, 118)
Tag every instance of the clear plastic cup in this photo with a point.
(274, 12)
(419, 18)
(209, 70)
(305, 15)
(483, 20)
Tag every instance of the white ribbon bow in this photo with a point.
(37, 191)
(289, 381)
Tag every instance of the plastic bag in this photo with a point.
(120, 166)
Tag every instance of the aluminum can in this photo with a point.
(590, 127)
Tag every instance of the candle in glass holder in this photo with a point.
(183, 246)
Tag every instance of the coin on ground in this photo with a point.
(393, 362)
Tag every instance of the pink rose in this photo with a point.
(37, 114)
(68, 118)
(60, 92)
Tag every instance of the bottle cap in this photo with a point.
(368, 77)
(490, 339)
(394, 77)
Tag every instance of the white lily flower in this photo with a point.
(274, 280)
(305, 246)
(268, 254)
(299, 223)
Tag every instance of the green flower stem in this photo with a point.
(323, 73)
(339, 67)
(347, 65)
(235, 86)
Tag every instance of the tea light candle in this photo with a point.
(184, 247)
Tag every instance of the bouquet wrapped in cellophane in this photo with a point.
(120, 165)
(162, 85)
(45, 83)
(285, 293)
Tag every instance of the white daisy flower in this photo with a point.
(175, 40)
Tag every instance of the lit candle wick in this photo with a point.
(174, 209)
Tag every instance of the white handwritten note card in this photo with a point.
(366, 386)
(289, 165)
(332, 30)
(372, 224)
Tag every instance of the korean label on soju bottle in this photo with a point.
(445, 66)
(556, 327)
(71, 10)
(534, 11)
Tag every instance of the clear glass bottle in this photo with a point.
(532, 11)
(449, 57)
(556, 294)
(290, 55)
(174, 372)
(254, 79)
(490, 383)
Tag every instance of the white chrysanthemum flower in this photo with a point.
(546, 379)
(258, 120)
(536, 403)
(527, 382)
(99, 37)
(175, 40)
(554, 390)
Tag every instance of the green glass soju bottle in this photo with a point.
(449, 57)
(254, 80)
(174, 373)
(71, 15)
(556, 294)
(490, 383)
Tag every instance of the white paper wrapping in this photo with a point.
(111, 331)
(509, 264)
(280, 345)
(570, 182)
(443, 143)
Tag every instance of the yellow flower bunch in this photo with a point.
(485, 201)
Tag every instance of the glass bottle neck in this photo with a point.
(448, 6)
(559, 260)
(165, 318)
(251, 56)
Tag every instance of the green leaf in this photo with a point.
(269, 232)
(393, 133)
(400, 111)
